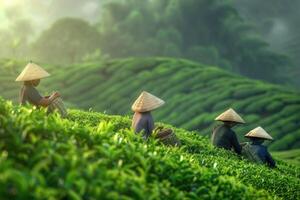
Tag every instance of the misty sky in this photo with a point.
(278, 20)
(42, 13)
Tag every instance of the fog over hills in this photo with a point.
(276, 20)
(276, 23)
(22, 22)
(39, 14)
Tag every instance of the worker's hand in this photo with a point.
(243, 144)
(56, 94)
(158, 128)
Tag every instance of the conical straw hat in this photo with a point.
(146, 102)
(230, 116)
(32, 72)
(259, 132)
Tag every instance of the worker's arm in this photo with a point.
(46, 101)
(235, 143)
(271, 163)
(243, 144)
(150, 127)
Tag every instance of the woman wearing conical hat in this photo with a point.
(223, 136)
(31, 76)
(255, 151)
(142, 119)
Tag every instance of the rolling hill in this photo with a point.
(194, 93)
(290, 156)
(92, 155)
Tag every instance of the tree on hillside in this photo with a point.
(277, 21)
(68, 40)
(209, 31)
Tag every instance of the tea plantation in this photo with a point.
(96, 156)
(195, 94)
(290, 156)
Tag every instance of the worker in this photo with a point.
(255, 151)
(142, 119)
(223, 136)
(31, 77)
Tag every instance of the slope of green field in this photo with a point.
(290, 156)
(195, 94)
(96, 156)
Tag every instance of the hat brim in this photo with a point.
(230, 121)
(247, 136)
(148, 109)
(31, 79)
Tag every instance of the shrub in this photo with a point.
(92, 156)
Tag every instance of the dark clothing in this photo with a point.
(225, 138)
(143, 122)
(29, 94)
(258, 153)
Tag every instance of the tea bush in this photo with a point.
(93, 155)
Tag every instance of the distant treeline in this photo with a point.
(278, 22)
(209, 31)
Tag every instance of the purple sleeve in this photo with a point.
(150, 125)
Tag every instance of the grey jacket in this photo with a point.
(29, 94)
(224, 137)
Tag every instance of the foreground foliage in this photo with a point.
(93, 155)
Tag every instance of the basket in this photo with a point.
(58, 105)
(167, 137)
